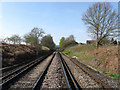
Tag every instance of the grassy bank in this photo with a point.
(84, 52)
(103, 59)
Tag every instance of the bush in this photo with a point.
(68, 43)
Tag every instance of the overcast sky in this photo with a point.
(60, 19)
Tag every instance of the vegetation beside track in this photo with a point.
(82, 52)
(18, 53)
(104, 59)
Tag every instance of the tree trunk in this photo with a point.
(97, 44)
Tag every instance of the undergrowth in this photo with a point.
(114, 76)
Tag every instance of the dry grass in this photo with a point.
(82, 52)
(104, 59)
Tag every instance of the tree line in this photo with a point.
(102, 25)
(100, 18)
(34, 38)
(67, 42)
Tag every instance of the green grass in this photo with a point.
(82, 52)
(114, 76)
(101, 61)
(82, 48)
(105, 72)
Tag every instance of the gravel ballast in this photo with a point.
(106, 80)
(55, 75)
(81, 77)
(28, 80)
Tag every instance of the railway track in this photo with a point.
(11, 77)
(101, 84)
(54, 71)
(72, 83)
(7, 70)
(33, 77)
(59, 77)
(10, 71)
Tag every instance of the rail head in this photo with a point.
(98, 81)
(69, 77)
(5, 85)
(37, 85)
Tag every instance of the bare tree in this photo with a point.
(9, 40)
(102, 21)
(71, 38)
(37, 33)
(33, 37)
(15, 39)
(4, 40)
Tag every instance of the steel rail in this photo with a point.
(38, 83)
(5, 85)
(98, 81)
(72, 83)
(9, 67)
(18, 70)
(22, 67)
(13, 66)
(65, 74)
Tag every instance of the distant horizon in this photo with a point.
(59, 19)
